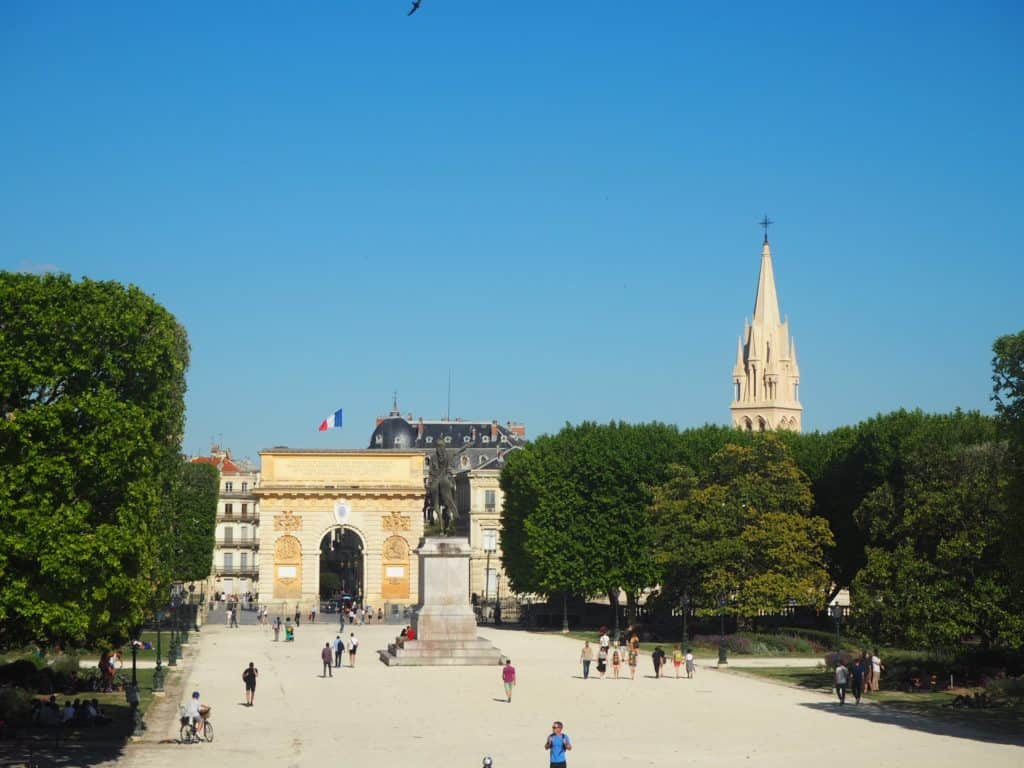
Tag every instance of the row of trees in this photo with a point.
(98, 509)
(919, 515)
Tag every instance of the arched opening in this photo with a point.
(342, 565)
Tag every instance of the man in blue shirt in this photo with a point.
(558, 744)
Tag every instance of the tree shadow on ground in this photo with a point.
(938, 723)
(48, 754)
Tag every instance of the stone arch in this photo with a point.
(287, 568)
(342, 550)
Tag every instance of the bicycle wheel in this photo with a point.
(185, 734)
(208, 730)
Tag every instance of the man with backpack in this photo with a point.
(249, 675)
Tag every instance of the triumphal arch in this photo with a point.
(340, 522)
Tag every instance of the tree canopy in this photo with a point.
(92, 384)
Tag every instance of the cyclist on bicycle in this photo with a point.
(192, 712)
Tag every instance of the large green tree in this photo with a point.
(934, 573)
(191, 512)
(742, 532)
(91, 416)
(1008, 393)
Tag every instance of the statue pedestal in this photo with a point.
(444, 620)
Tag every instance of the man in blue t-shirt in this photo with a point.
(558, 744)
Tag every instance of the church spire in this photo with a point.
(766, 302)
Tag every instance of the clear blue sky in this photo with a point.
(556, 200)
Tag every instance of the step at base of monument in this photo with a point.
(439, 653)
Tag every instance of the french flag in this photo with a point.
(331, 422)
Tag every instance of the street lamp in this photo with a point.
(172, 650)
(131, 693)
(158, 673)
(490, 546)
(837, 614)
(723, 652)
(686, 610)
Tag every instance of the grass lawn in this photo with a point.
(1005, 716)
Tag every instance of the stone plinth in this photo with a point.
(444, 620)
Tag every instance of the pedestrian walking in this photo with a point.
(877, 667)
(586, 656)
(508, 677)
(325, 656)
(857, 679)
(338, 648)
(616, 663)
(249, 675)
(353, 646)
(631, 655)
(234, 618)
(842, 678)
(658, 658)
(605, 641)
(557, 744)
(677, 659)
(227, 616)
(602, 661)
(277, 629)
(298, 615)
(691, 665)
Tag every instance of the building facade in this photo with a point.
(766, 376)
(237, 546)
(482, 448)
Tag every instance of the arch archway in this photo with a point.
(342, 568)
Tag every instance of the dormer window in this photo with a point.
(447, 439)
(430, 439)
(379, 440)
(486, 439)
(465, 439)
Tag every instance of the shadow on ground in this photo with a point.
(995, 732)
(32, 753)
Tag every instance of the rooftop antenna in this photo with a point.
(448, 415)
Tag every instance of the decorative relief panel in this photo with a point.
(395, 566)
(396, 522)
(287, 521)
(287, 568)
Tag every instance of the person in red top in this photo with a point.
(508, 677)
(410, 633)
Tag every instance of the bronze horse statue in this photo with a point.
(439, 502)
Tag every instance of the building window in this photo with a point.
(229, 486)
(491, 590)
(379, 440)
(229, 561)
(796, 391)
(228, 510)
(245, 510)
(229, 535)
(245, 487)
(486, 439)
(490, 540)
(483, 460)
(504, 437)
(447, 439)
(430, 439)
(244, 558)
(489, 501)
(465, 439)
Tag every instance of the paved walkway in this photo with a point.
(430, 717)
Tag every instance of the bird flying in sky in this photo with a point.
(415, 7)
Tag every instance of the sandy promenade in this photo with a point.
(374, 715)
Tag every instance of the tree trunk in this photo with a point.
(613, 599)
(565, 611)
(631, 607)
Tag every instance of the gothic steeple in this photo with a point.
(766, 377)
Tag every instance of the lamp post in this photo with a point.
(131, 694)
(723, 652)
(172, 649)
(686, 611)
(490, 545)
(158, 673)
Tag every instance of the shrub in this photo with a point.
(1007, 688)
(15, 704)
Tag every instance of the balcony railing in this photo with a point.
(239, 543)
(237, 570)
(238, 493)
(234, 517)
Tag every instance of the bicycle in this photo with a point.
(191, 733)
